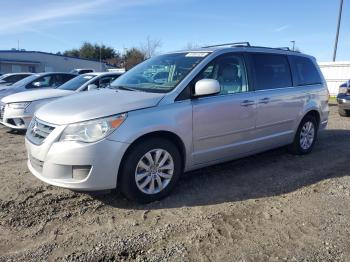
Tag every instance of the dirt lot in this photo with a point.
(268, 207)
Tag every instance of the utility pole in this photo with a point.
(100, 58)
(293, 42)
(338, 28)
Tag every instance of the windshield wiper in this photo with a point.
(124, 88)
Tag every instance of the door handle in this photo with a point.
(247, 103)
(264, 100)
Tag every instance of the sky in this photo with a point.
(53, 26)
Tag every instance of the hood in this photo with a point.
(95, 104)
(36, 95)
(9, 90)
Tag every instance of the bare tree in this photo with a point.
(150, 47)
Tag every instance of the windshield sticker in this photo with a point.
(196, 54)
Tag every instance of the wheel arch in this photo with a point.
(313, 112)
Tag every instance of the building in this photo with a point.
(335, 74)
(13, 61)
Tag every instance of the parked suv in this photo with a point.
(343, 99)
(216, 104)
(18, 109)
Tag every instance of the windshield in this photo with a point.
(76, 82)
(159, 74)
(26, 80)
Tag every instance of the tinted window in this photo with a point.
(11, 78)
(271, 71)
(15, 78)
(304, 71)
(229, 70)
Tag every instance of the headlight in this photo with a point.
(92, 131)
(343, 90)
(19, 105)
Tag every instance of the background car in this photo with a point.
(36, 81)
(9, 79)
(80, 71)
(18, 109)
(343, 99)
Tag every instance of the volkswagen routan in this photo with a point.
(178, 112)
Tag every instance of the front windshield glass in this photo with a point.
(159, 74)
(26, 80)
(76, 82)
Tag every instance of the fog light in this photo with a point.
(80, 172)
(18, 122)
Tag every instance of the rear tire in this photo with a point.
(150, 170)
(305, 136)
(343, 112)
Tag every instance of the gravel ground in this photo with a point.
(268, 207)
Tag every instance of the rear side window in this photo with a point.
(67, 77)
(304, 71)
(271, 71)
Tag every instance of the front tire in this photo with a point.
(343, 112)
(305, 136)
(150, 170)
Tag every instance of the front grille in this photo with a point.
(36, 164)
(2, 111)
(38, 131)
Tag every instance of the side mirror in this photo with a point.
(92, 87)
(37, 84)
(348, 84)
(206, 87)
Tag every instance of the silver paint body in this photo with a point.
(213, 129)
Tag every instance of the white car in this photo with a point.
(17, 110)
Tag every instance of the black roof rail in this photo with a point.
(284, 48)
(237, 44)
(247, 44)
(276, 48)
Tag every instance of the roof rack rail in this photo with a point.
(247, 44)
(237, 44)
(283, 48)
(276, 48)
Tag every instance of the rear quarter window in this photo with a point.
(271, 71)
(304, 71)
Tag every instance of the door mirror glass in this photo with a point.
(206, 87)
(92, 87)
(38, 84)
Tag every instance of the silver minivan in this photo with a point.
(178, 112)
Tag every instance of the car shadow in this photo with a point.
(16, 132)
(268, 174)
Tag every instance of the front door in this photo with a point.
(224, 124)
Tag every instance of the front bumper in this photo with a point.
(54, 163)
(15, 118)
(343, 101)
